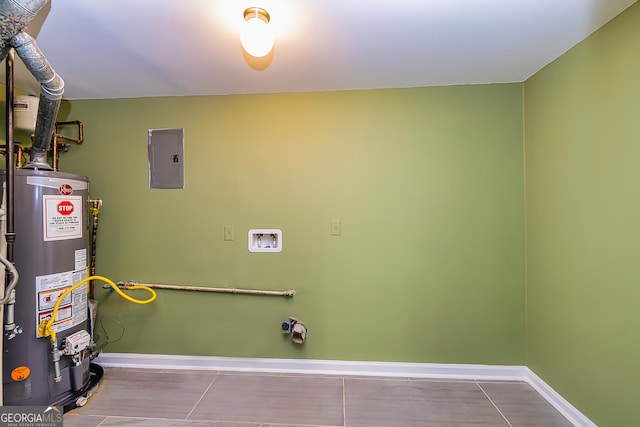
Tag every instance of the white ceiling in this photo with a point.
(144, 48)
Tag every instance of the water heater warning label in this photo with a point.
(72, 309)
(62, 217)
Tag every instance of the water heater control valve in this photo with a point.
(75, 343)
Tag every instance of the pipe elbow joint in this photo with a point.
(53, 89)
(52, 85)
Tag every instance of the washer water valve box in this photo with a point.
(265, 240)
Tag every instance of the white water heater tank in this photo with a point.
(25, 112)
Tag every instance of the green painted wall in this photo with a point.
(582, 121)
(428, 184)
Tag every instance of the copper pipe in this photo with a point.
(18, 149)
(56, 145)
(78, 123)
(9, 168)
(11, 274)
(20, 155)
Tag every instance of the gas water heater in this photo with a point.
(50, 252)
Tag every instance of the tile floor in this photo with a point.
(163, 398)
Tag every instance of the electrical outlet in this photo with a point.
(229, 233)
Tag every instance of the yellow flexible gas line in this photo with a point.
(45, 329)
(122, 294)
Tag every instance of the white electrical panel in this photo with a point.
(265, 240)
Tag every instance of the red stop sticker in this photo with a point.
(65, 208)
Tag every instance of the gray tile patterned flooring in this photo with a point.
(163, 398)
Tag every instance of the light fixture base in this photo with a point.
(256, 37)
(256, 12)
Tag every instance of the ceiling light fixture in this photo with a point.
(256, 37)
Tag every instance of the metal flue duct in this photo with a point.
(15, 16)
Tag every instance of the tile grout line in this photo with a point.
(201, 397)
(344, 404)
(139, 418)
(494, 405)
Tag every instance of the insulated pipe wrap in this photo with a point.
(27, 7)
(14, 17)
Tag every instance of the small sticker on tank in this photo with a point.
(20, 373)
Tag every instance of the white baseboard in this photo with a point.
(309, 366)
(576, 417)
(349, 368)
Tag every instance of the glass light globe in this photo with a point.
(256, 37)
